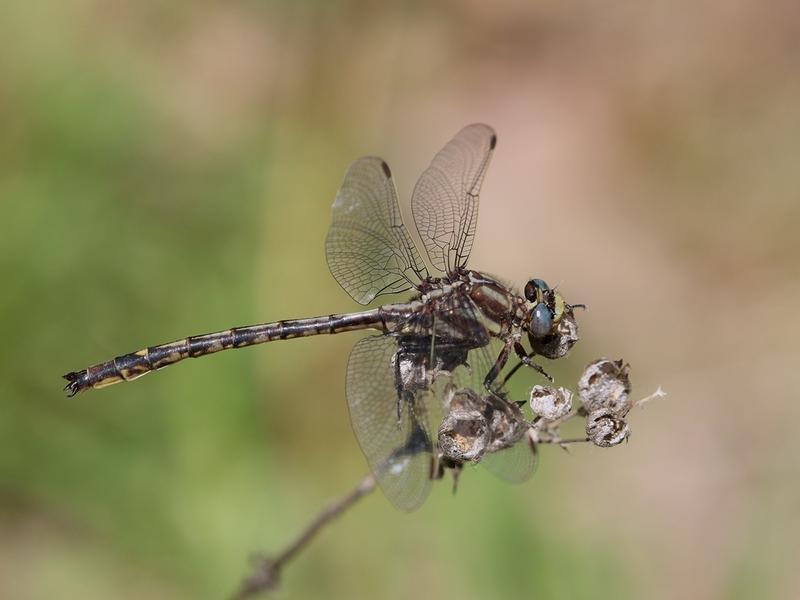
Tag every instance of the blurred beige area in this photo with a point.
(167, 169)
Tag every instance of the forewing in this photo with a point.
(398, 452)
(445, 199)
(369, 250)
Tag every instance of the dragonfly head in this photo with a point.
(552, 328)
(547, 308)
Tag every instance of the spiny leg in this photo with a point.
(525, 359)
(498, 365)
(515, 368)
(398, 384)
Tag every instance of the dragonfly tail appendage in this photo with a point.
(96, 377)
(77, 382)
(123, 368)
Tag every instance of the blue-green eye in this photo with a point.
(541, 320)
(534, 288)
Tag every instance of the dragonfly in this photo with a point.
(459, 324)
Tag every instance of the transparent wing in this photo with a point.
(398, 452)
(369, 250)
(445, 199)
(516, 463)
(479, 363)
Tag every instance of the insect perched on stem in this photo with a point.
(454, 316)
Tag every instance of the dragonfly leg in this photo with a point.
(525, 359)
(515, 368)
(498, 365)
(398, 383)
(456, 472)
(437, 466)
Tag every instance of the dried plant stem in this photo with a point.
(267, 569)
(659, 393)
(537, 436)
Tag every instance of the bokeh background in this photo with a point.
(167, 169)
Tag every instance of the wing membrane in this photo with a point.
(445, 199)
(398, 452)
(369, 250)
(517, 462)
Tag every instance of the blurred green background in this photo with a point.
(167, 169)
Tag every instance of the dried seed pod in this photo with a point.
(605, 428)
(463, 435)
(463, 399)
(550, 403)
(605, 383)
(506, 423)
(558, 344)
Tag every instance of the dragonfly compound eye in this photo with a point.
(541, 320)
(535, 289)
(560, 340)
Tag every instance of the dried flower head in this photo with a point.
(463, 435)
(605, 428)
(605, 384)
(462, 398)
(558, 344)
(506, 422)
(550, 403)
(503, 420)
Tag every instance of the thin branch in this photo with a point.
(538, 436)
(268, 569)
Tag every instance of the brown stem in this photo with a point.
(267, 570)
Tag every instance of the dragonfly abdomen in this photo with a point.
(135, 364)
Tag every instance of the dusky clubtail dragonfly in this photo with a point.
(455, 316)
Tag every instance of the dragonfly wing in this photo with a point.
(368, 248)
(398, 450)
(445, 199)
(516, 462)
(479, 362)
